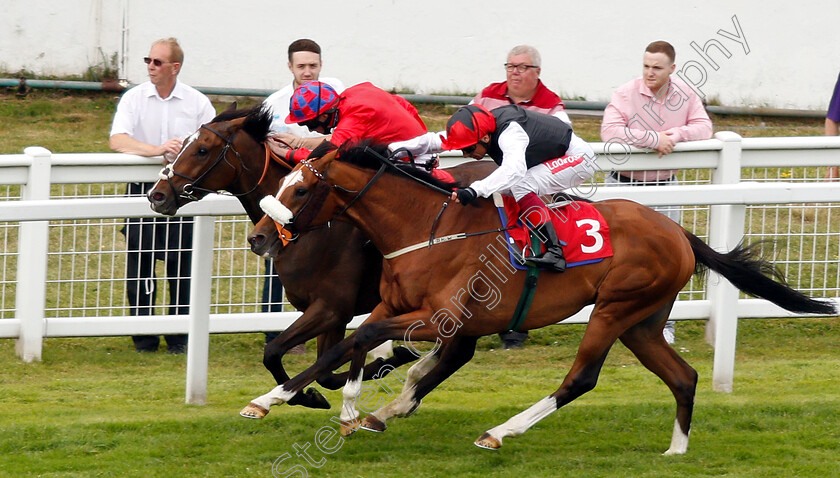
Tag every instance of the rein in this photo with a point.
(386, 163)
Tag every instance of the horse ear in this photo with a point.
(231, 108)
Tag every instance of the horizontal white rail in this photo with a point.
(726, 155)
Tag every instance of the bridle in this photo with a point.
(300, 221)
(189, 189)
(323, 189)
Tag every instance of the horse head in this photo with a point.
(303, 202)
(211, 160)
(319, 190)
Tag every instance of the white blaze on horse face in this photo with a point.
(276, 210)
(168, 171)
(292, 178)
(272, 205)
(190, 139)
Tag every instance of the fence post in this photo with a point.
(33, 243)
(726, 228)
(200, 290)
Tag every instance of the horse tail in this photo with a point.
(746, 270)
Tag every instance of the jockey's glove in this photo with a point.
(466, 195)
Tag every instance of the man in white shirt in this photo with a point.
(152, 119)
(305, 65)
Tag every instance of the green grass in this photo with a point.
(94, 407)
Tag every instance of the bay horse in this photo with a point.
(455, 291)
(328, 284)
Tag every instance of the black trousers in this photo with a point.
(272, 295)
(149, 240)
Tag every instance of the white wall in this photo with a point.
(440, 46)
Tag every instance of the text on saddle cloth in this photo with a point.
(583, 231)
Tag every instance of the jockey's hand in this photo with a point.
(464, 195)
(290, 139)
(277, 146)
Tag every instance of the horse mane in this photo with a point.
(323, 148)
(358, 153)
(257, 120)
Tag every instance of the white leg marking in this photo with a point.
(351, 391)
(521, 422)
(277, 395)
(276, 210)
(405, 401)
(679, 441)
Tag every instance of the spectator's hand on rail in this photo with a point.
(666, 143)
(170, 149)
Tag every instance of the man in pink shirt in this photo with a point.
(656, 112)
(523, 86)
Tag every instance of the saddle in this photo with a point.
(583, 232)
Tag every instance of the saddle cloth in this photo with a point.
(582, 230)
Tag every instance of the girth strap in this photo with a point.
(528, 291)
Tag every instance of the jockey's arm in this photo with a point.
(428, 143)
(513, 142)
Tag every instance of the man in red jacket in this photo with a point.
(361, 111)
(523, 86)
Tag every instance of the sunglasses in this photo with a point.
(471, 149)
(156, 61)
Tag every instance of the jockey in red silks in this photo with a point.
(362, 111)
(537, 155)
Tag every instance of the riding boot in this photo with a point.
(552, 258)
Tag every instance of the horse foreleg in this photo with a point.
(332, 359)
(317, 320)
(369, 334)
(424, 377)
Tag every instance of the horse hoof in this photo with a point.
(253, 411)
(348, 428)
(312, 398)
(373, 424)
(488, 442)
(413, 409)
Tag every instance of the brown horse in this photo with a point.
(456, 291)
(329, 284)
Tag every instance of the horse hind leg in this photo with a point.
(404, 404)
(581, 378)
(423, 377)
(646, 342)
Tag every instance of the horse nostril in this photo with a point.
(256, 240)
(158, 197)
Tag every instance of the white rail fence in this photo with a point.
(732, 188)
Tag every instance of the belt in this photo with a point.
(625, 179)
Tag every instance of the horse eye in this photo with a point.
(202, 150)
(300, 191)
